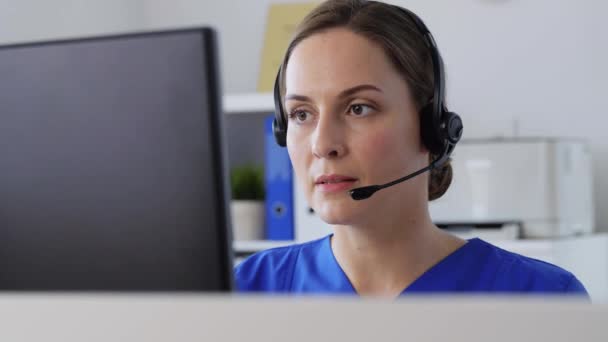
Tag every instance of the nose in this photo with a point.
(328, 138)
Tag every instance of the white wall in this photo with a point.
(538, 62)
(32, 20)
(241, 28)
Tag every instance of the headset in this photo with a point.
(440, 129)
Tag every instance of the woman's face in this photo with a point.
(351, 120)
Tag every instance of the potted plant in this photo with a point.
(247, 205)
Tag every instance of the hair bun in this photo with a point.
(440, 180)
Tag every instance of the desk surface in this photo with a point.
(151, 318)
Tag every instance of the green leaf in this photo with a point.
(247, 182)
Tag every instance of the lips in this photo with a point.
(332, 179)
(334, 183)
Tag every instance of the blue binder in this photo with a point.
(279, 189)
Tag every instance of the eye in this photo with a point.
(360, 109)
(299, 115)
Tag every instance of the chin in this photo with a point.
(338, 211)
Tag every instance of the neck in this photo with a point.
(385, 258)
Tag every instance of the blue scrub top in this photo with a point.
(477, 266)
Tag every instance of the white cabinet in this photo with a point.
(585, 256)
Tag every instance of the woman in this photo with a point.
(359, 98)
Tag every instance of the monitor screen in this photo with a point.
(112, 166)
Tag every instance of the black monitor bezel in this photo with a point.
(213, 85)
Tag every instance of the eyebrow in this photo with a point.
(343, 94)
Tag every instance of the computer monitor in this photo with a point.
(112, 166)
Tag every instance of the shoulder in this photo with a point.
(272, 270)
(515, 272)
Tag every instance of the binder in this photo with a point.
(278, 176)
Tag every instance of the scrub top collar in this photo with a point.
(435, 277)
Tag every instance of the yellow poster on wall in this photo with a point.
(280, 25)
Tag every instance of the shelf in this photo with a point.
(256, 246)
(248, 103)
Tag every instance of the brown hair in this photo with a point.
(397, 34)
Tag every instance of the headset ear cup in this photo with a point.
(429, 131)
(280, 134)
(453, 127)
